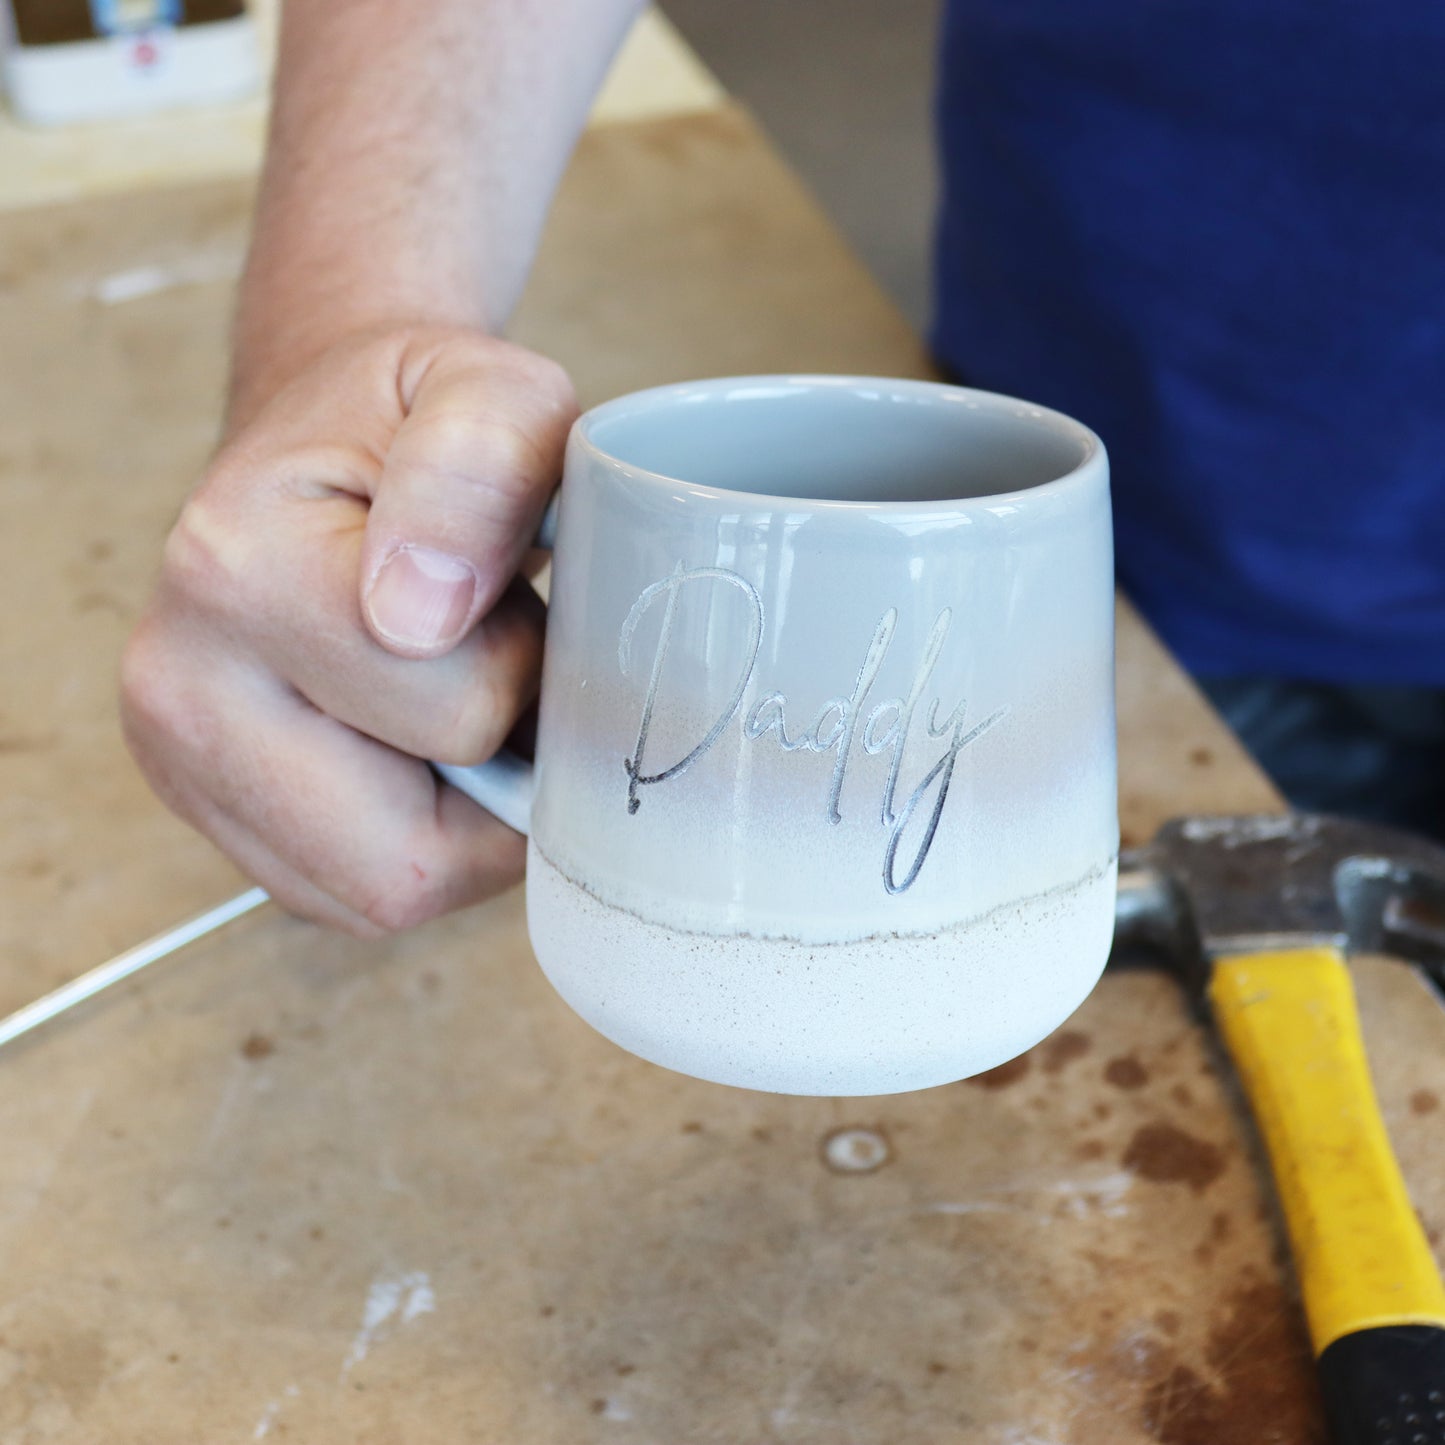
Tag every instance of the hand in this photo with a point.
(340, 600)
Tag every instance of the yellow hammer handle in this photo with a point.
(1292, 1029)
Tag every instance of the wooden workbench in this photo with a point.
(292, 1186)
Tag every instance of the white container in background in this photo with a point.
(85, 60)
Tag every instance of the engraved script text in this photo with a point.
(841, 725)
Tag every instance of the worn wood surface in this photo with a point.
(292, 1186)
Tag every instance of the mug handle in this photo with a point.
(504, 784)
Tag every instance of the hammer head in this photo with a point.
(1212, 885)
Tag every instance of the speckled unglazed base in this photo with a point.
(873, 1016)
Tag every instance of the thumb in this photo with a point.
(462, 490)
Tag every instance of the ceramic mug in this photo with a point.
(824, 798)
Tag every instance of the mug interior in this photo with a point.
(840, 439)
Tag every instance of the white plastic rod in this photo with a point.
(127, 963)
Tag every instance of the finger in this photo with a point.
(288, 587)
(456, 708)
(364, 825)
(149, 708)
(461, 493)
(288, 889)
(374, 829)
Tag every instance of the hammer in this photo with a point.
(1256, 914)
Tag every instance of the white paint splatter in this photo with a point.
(787, 1408)
(391, 1181)
(405, 1296)
(1106, 1195)
(420, 1301)
(270, 1414)
(616, 1410)
(196, 270)
(1081, 1197)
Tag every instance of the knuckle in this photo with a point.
(191, 564)
(164, 725)
(473, 720)
(551, 379)
(152, 701)
(493, 456)
(403, 902)
(173, 717)
(208, 561)
(516, 455)
(474, 732)
(504, 680)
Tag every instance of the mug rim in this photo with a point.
(1092, 459)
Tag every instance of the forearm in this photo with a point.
(413, 152)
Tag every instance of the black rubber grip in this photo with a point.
(1386, 1386)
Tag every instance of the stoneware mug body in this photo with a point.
(824, 798)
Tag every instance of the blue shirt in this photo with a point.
(1216, 233)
